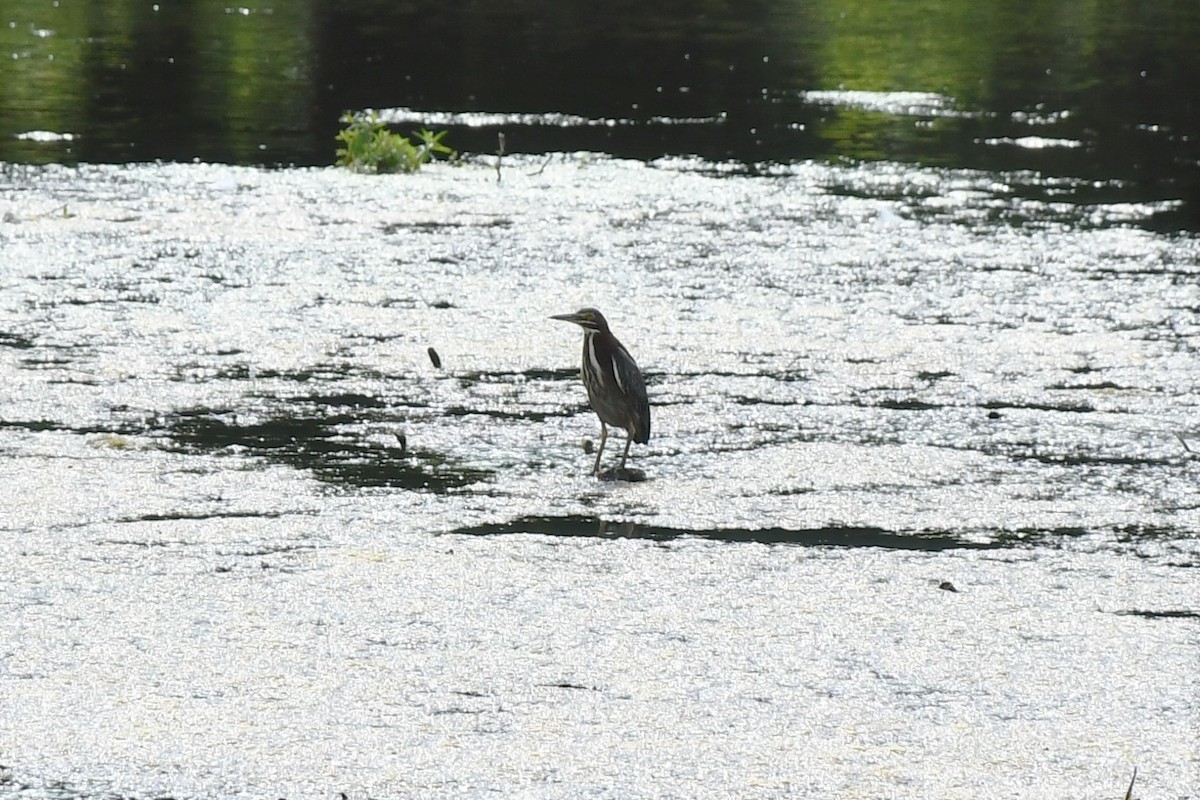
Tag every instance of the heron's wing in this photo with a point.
(633, 387)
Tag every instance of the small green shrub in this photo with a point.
(368, 146)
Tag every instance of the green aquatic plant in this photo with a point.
(368, 146)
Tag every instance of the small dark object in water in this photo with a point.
(994, 415)
(947, 586)
(435, 358)
(589, 446)
(403, 440)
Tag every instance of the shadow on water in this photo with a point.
(313, 443)
(15, 341)
(830, 536)
(1171, 614)
(592, 527)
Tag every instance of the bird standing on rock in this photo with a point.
(614, 385)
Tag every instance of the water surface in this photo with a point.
(917, 510)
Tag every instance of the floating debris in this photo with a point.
(45, 136)
(919, 104)
(482, 119)
(1031, 142)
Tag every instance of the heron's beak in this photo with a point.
(567, 318)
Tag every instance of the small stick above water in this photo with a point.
(499, 153)
(1129, 791)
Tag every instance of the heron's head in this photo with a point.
(590, 319)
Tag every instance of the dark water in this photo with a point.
(266, 83)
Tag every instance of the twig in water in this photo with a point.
(545, 164)
(1183, 442)
(1129, 791)
(499, 153)
(63, 211)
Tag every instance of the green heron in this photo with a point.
(614, 383)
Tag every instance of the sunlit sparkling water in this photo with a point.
(226, 575)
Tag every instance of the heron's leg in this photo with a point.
(628, 441)
(600, 451)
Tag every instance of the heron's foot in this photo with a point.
(628, 474)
